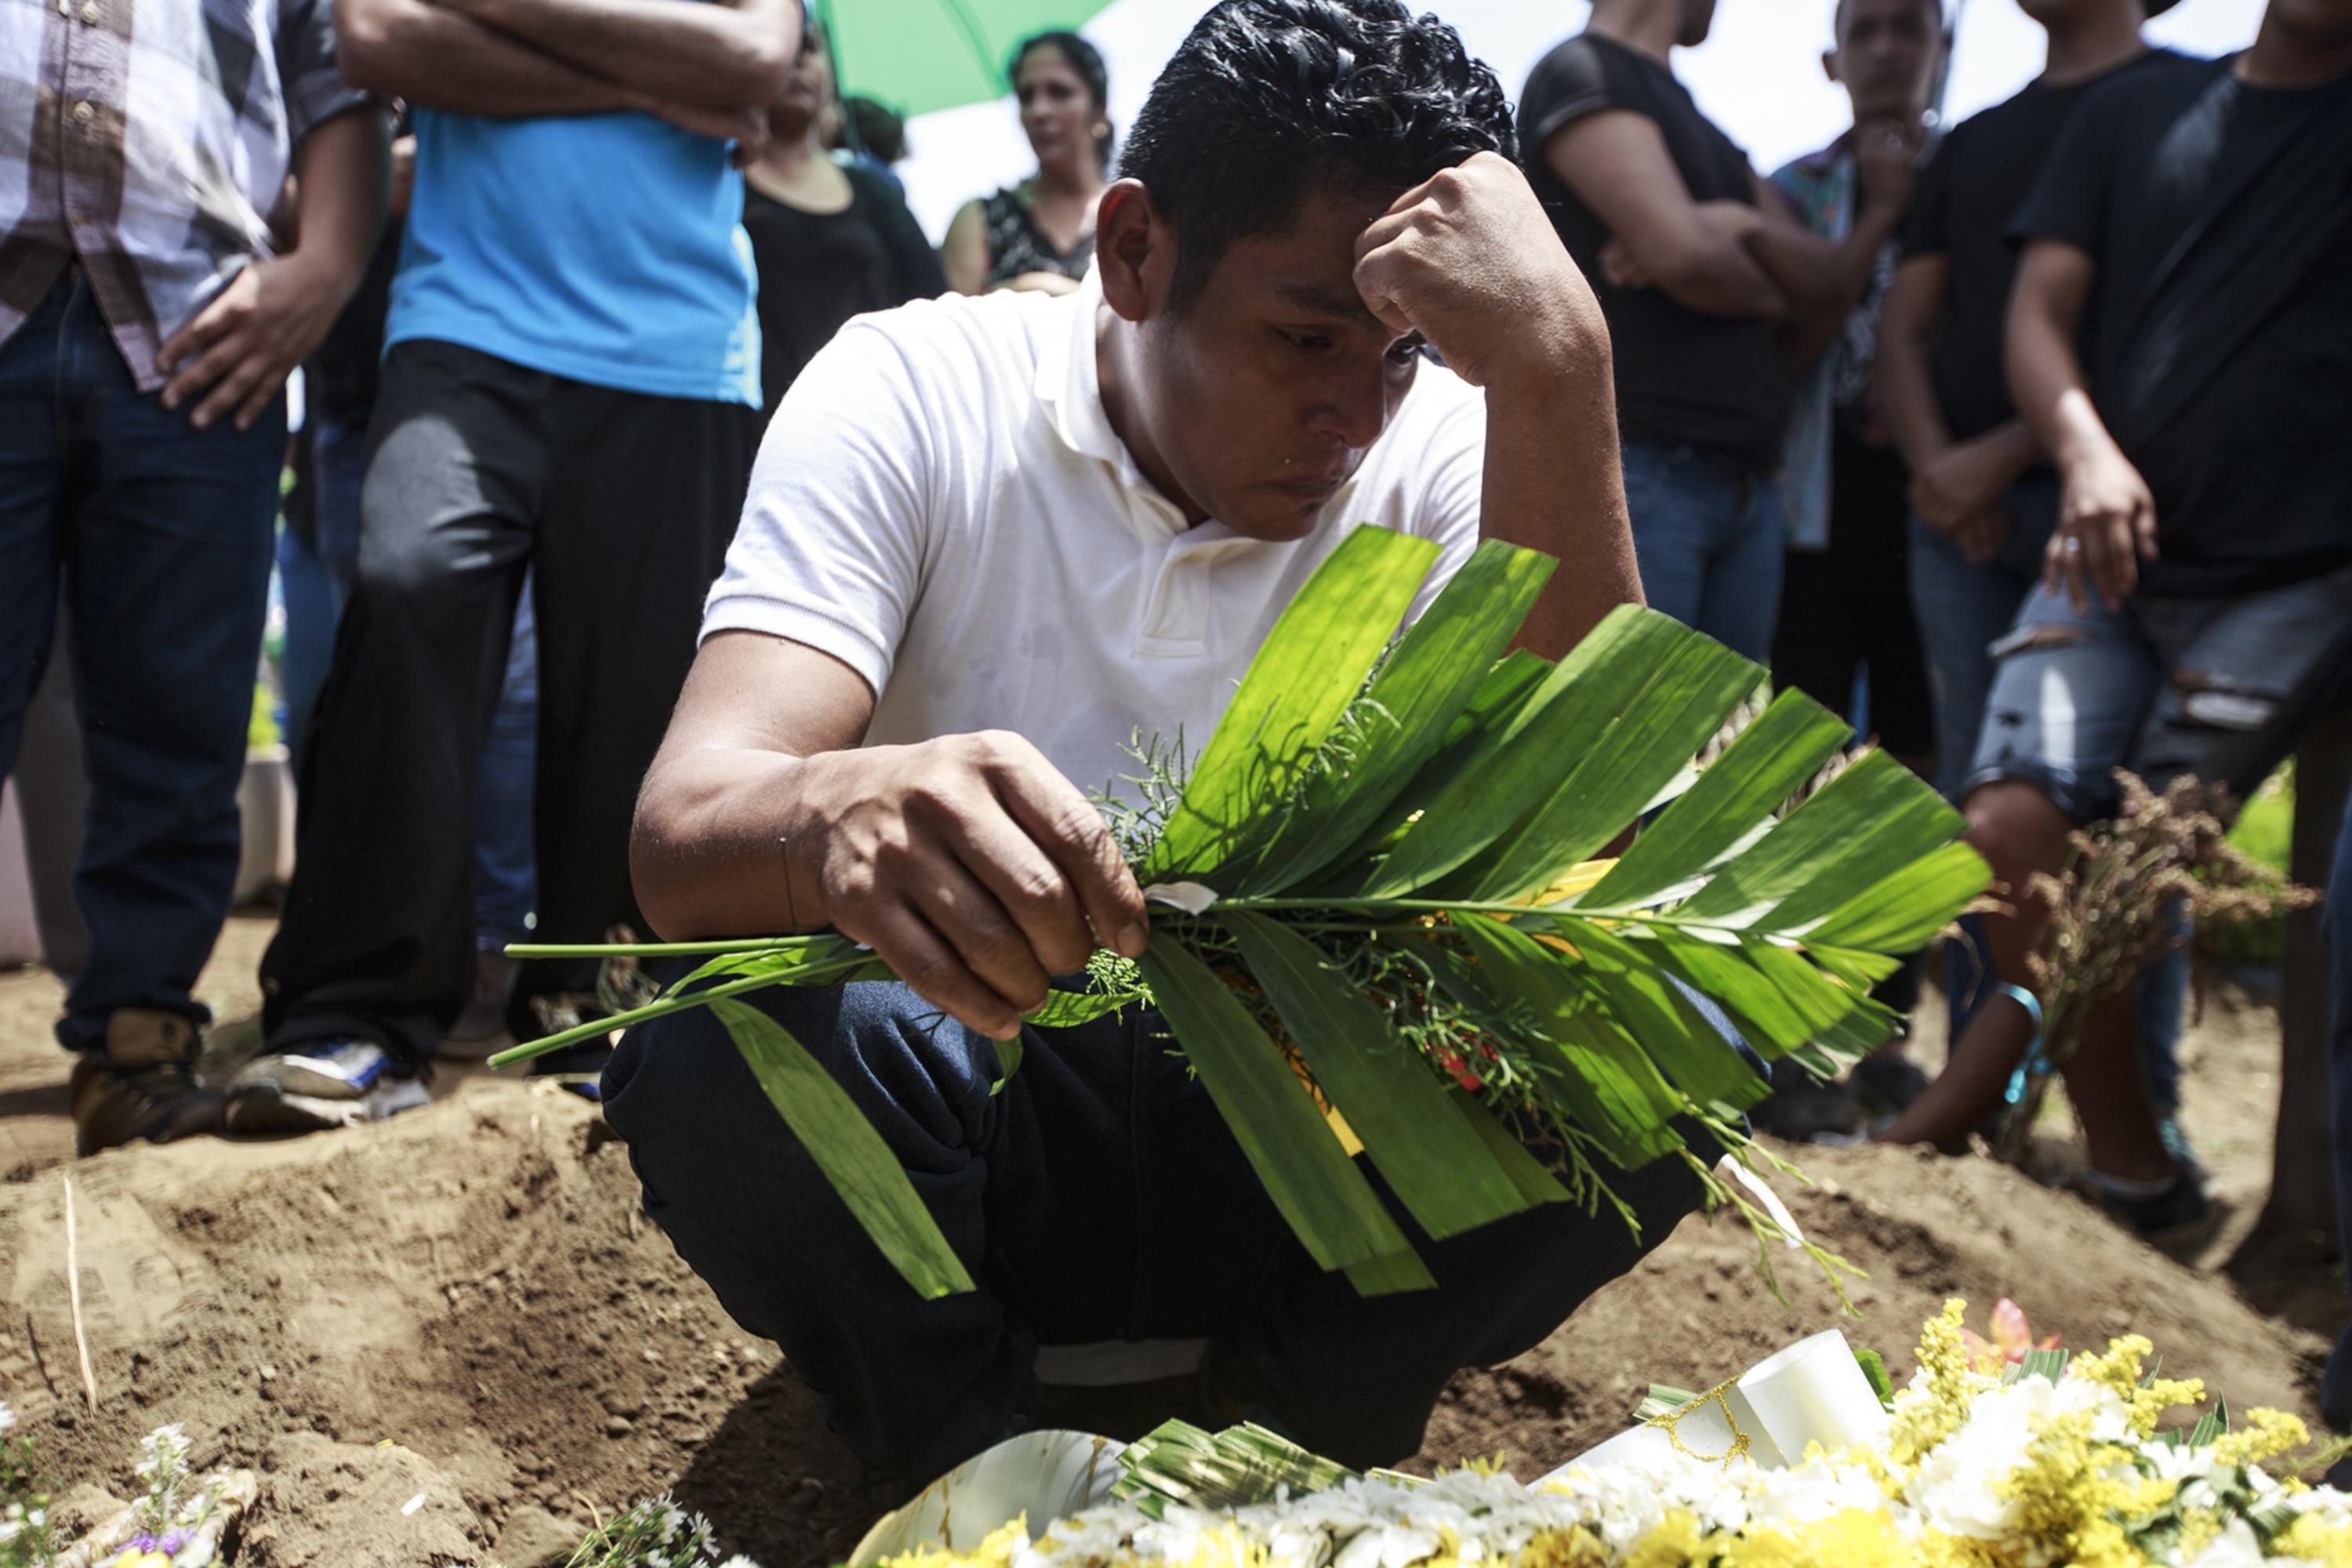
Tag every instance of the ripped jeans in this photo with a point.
(2220, 690)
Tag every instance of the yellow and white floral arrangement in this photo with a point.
(1982, 1462)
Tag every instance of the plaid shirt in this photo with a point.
(149, 138)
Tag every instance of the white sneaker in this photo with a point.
(321, 1084)
(343, 1068)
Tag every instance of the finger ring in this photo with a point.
(2073, 546)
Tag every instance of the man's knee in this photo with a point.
(679, 1092)
(2018, 828)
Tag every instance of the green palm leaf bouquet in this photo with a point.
(1382, 926)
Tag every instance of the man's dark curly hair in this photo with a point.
(1267, 99)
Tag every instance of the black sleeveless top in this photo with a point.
(1016, 245)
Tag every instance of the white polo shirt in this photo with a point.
(941, 504)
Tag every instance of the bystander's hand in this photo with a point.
(2106, 526)
(968, 864)
(1962, 480)
(1618, 266)
(1885, 160)
(1468, 259)
(235, 355)
(1981, 536)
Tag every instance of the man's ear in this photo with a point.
(1829, 65)
(1135, 252)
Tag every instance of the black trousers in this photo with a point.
(1847, 609)
(1098, 1197)
(476, 467)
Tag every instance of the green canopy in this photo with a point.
(920, 54)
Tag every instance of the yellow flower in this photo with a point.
(2316, 1540)
(1674, 1543)
(1574, 1548)
(1850, 1539)
(2266, 1435)
(995, 1551)
(131, 1557)
(2119, 1369)
(1937, 1405)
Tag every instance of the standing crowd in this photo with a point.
(2017, 443)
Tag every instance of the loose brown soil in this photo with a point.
(462, 1306)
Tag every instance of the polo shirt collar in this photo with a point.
(1069, 384)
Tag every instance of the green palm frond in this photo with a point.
(1407, 950)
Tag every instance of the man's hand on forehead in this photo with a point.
(1469, 261)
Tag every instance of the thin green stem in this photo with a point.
(676, 1002)
(663, 949)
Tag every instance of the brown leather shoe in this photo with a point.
(144, 1084)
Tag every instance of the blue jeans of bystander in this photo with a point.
(1709, 541)
(316, 574)
(1963, 607)
(161, 535)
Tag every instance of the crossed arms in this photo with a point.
(709, 68)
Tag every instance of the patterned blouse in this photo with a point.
(1016, 245)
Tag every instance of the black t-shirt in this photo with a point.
(1683, 378)
(818, 269)
(2249, 473)
(1967, 194)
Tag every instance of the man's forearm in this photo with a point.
(705, 856)
(1553, 483)
(1820, 280)
(342, 171)
(1727, 281)
(435, 58)
(2045, 377)
(706, 56)
(2013, 443)
(1905, 393)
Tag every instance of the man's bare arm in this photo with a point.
(1617, 161)
(435, 58)
(1908, 325)
(968, 863)
(1470, 261)
(1552, 483)
(1825, 281)
(733, 54)
(2106, 517)
(964, 255)
(1959, 487)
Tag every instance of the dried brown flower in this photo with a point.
(2108, 911)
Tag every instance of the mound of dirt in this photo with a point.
(472, 1285)
(1923, 1228)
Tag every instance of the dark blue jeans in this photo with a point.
(314, 574)
(161, 535)
(1098, 1197)
(1711, 543)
